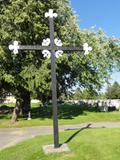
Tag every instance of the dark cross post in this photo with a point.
(54, 83)
(51, 48)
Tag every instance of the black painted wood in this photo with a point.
(53, 48)
(38, 47)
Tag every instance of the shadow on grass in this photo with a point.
(75, 134)
(65, 111)
(5, 111)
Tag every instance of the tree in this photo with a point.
(84, 94)
(28, 73)
(113, 91)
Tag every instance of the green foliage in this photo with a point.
(113, 91)
(84, 94)
(24, 21)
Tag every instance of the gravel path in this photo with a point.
(11, 136)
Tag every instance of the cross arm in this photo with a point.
(84, 48)
(70, 48)
(33, 47)
(15, 47)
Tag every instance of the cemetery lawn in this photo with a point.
(68, 114)
(86, 144)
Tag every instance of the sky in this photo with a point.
(103, 14)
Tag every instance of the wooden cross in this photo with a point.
(51, 48)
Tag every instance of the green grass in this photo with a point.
(68, 114)
(88, 144)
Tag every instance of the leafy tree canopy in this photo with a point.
(24, 21)
(84, 94)
(113, 91)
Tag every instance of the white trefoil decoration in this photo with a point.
(14, 47)
(46, 53)
(58, 53)
(46, 42)
(58, 42)
(50, 14)
(86, 48)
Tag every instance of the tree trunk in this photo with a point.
(16, 111)
(22, 106)
(25, 106)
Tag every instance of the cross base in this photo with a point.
(48, 149)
